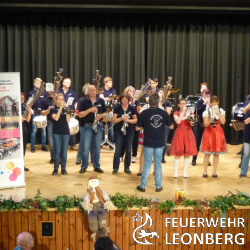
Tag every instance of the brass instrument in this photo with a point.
(125, 124)
(94, 126)
(57, 81)
(38, 93)
(167, 89)
(142, 91)
(96, 82)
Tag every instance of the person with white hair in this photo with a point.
(25, 241)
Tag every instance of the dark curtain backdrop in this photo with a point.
(131, 47)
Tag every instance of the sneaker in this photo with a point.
(78, 162)
(140, 189)
(115, 171)
(133, 159)
(45, 149)
(82, 170)
(32, 150)
(55, 172)
(51, 161)
(98, 170)
(26, 169)
(193, 162)
(242, 175)
(159, 189)
(64, 172)
(127, 171)
(163, 161)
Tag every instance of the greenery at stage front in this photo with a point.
(126, 202)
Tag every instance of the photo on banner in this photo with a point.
(11, 141)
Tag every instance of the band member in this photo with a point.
(153, 88)
(69, 93)
(36, 111)
(25, 123)
(14, 108)
(213, 140)
(60, 134)
(137, 106)
(46, 106)
(168, 108)
(108, 91)
(93, 110)
(202, 105)
(124, 118)
(183, 142)
(153, 121)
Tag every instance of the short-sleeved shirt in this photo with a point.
(246, 134)
(109, 92)
(153, 121)
(46, 102)
(67, 95)
(60, 127)
(167, 104)
(135, 105)
(149, 88)
(85, 103)
(37, 105)
(119, 111)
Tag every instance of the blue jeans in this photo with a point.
(50, 138)
(167, 130)
(121, 140)
(33, 133)
(91, 138)
(61, 143)
(245, 158)
(148, 154)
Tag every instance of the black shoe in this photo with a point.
(127, 171)
(204, 175)
(26, 169)
(32, 150)
(209, 164)
(242, 175)
(51, 161)
(193, 162)
(64, 172)
(163, 161)
(98, 170)
(78, 162)
(82, 170)
(140, 189)
(239, 153)
(139, 174)
(45, 149)
(115, 171)
(158, 189)
(214, 175)
(55, 172)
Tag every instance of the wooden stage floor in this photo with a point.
(39, 177)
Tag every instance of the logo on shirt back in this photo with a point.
(156, 121)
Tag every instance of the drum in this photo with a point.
(40, 121)
(237, 121)
(110, 115)
(73, 126)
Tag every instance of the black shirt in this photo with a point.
(153, 121)
(46, 102)
(60, 127)
(37, 105)
(167, 104)
(120, 112)
(246, 133)
(67, 95)
(201, 107)
(24, 123)
(85, 103)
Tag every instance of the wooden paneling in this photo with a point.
(71, 229)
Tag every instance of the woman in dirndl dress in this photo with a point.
(183, 142)
(213, 140)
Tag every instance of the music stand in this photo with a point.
(106, 132)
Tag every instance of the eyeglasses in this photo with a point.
(182, 103)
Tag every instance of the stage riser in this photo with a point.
(71, 229)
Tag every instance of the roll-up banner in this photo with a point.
(11, 141)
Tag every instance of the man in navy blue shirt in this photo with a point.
(153, 87)
(36, 111)
(92, 109)
(108, 91)
(152, 121)
(69, 93)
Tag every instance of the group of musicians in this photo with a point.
(91, 109)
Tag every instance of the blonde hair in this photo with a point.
(128, 88)
(107, 79)
(38, 79)
(85, 88)
(59, 94)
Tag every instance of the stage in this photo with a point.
(39, 177)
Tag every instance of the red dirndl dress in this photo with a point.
(213, 140)
(183, 142)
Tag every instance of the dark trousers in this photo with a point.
(25, 140)
(135, 143)
(198, 135)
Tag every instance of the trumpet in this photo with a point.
(69, 111)
(125, 125)
(95, 123)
